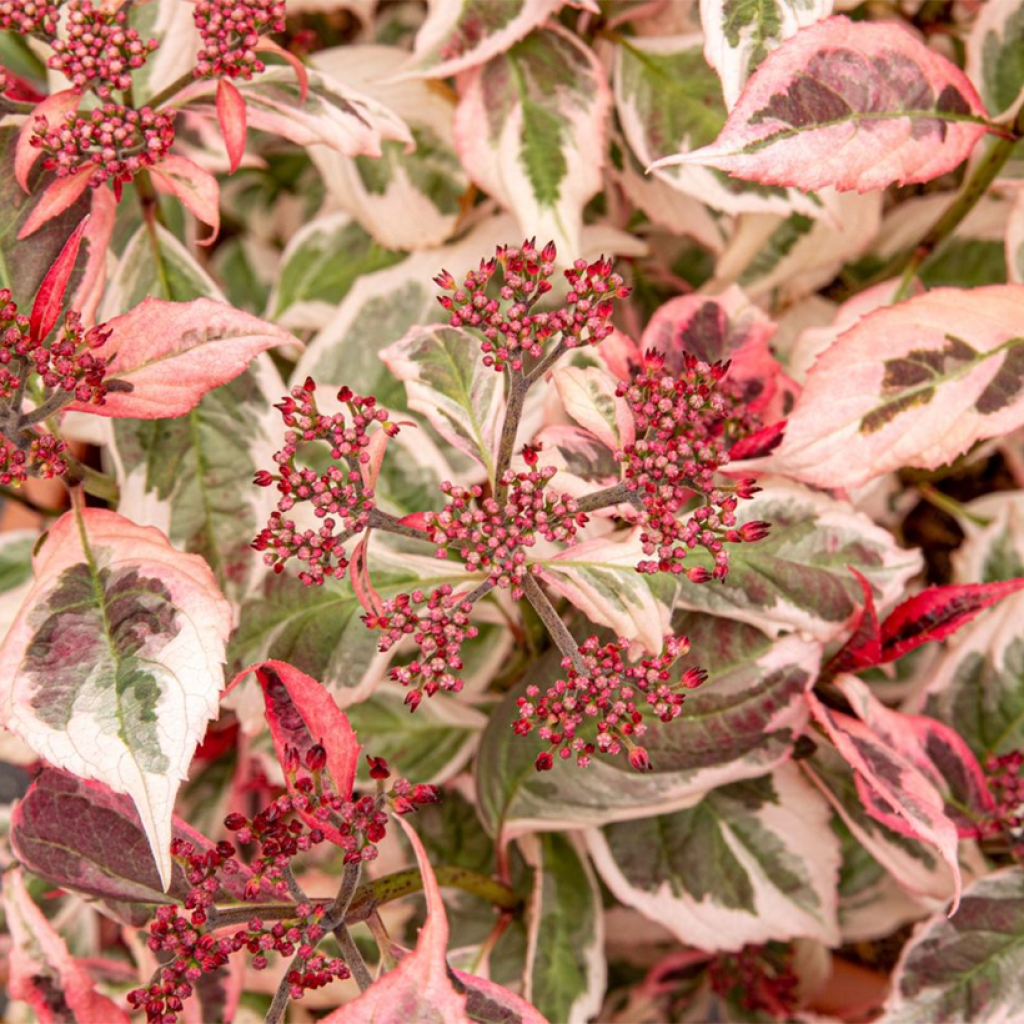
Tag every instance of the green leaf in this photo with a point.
(995, 55)
(565, 966)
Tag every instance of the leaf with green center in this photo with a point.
(739, 725)
(669, 100)
(918, 384)
(739, 34)
(115, 663)
(460, 34)
(854, 105)
(565, 967)
(446, 381)
(530, 130)
(588, 395)
(968, 966)
(995, 56)
(751, 862)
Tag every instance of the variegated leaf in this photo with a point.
(913, 384)
(588, 394)
(752, 861)
(1014, 241)
(668, 100)
(739, 34)
(115, 662)
(583, 463)
(566, 972)
(739, 725)
(854, 105)
(968, 967)
(530, 130)
(460, 34)
(446, 381)
(995, 55)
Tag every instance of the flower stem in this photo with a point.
(353, 958)
(380, 520)
(170, 91)
(553, 622)
(98, 484)
(519, 385)
(614, 495)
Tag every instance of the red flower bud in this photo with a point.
(754, 531)
(378, 766)
(423, 794)
(263, 478)
(544, 761)
(698, 575)
(316, 757)
(234, 821)
(639, 759)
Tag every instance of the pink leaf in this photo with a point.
(50, 297)
(268, 45)
(910, 794)
(102, 219)
(914, 384)
(419, 988)
(42, 972)
(196, 188)
(759, 444)
(359, 573)
(231, 115)
(52, 109)
(856, 105)
(864, 648)
(61, 194)
(173, 353)
(301, 713)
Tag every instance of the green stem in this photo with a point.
(98, 484)
(952, 507)
(170, 91)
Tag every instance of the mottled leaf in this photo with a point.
(588, 394)
(530, 130)
(196, 188)
(565, 973)
(995, 55)
(854, 105)
(914, 384)
(752, 861)
(114, 664)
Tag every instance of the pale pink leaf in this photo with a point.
(914, 384)
(41, 970)
(114, 664)
(196, 188)
(855, 105)
(102, 220)
(583, 463)
(458, 35)
(50, 296)
(267, 45)
(173, 353)
(530, 130)
(52, 110)
(359, 574)
(418, 988)
(231, 115)
(58, 196)
(588, 394)
(911, 795)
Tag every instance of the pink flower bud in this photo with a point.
(639, 759)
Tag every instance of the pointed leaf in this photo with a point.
(565, 967)
(751, 862)
(447, 382)
(42, 972)
(588, 394)
(115, 664)
(419, 988)
(855, 105)
(231, 116)
(739, 34)
(173, 353)
(88, 294)
(197, 189)
(58, 197)
(919, 382)
(530, 130)
(864, 648)
(50, 298)
(460, 34)
(995, 56)
(52, 110)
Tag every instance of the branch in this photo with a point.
(553, 622)
(509, 429)
(353, 958)
(380, 520)
(614, 495)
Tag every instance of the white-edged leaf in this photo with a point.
(854, 105)
(1015, 240)
(668, 100)
(995, 55)
(530, 130)
(115, 663)
(446, 381)
(565, 972)
(912, 384)
(588, 394)
(739, 34)
(751, 862)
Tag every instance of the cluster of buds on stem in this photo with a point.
(762, 979)
(1006, 784)
(503, 312)
(341, 497)
(110, 143)
(675, 459)
(230, 32)
(100, 51)
(602, 710)
(30, 17)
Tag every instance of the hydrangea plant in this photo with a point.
(512, 511)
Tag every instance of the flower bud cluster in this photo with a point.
(30, 16)
(678, 451)
(100, 52)
(439, 632)
(112, 142)
(1006, 784)
(503, 312)
(493, 536)
(337, 496)
(43, 456)
(229, 32)
(762, 979)
(613, 696)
